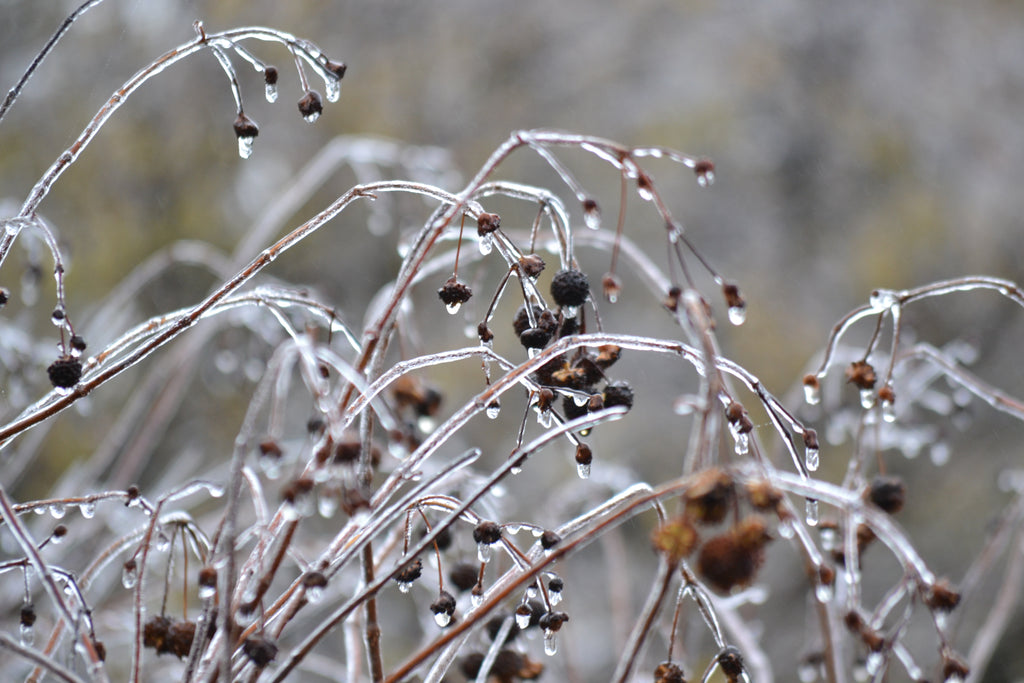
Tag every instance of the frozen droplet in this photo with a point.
(57, 510)
(442, 619)
(484, 552)
(404, 586)
(544, 418)
(531, 591)
(580, 399)
(828, 539)
(326, 506)
(271, 92)
(823, 592)
(163, 543)
(453, 308)
(554, 597)
(860, 672)
(812, 459)
(523, 617)
(332, 89)
(882, 300)
(59, 316)
(41, 510)
(515, 469)
(271, 466)
(570, 311)
(867, 399)
(812, 394)
(583, 470)
(874, 662)
(939, 453)
(486, 245)
(532, 353)
(129, 575)
(737, 314)
(27, 635)
(245, 143)
(56, 538)
(785, 530)
(742, 443)
(88, 509)
(941, 620)
(493, 409)
(513, 529)
(290, 511)
(425, 424)
(315, 594)
(550, 643)
(207, 592)
(955, 678)
(706, 179)
(245, 616)
(476, 599)
(592, 216)
(811, 512)
(645, 193)
(311, 116)
(888, 411)
(807, 672)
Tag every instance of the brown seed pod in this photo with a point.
(65, 372)
(260, 650)
(861, 374)
(731, 559)
(709, 499)
(454, 293)
(675, 539)
(570, 287)
(888, 493)
(668, 672)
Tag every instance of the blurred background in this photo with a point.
(857, 145)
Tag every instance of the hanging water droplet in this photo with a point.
(811, 511)
(404, 586)
(88, 509)
(290, 511)
(493, 409)
(315, 594)
(59, 316)
(570, 311)
(27, 635)
(532, 353)
(828, 539)
(874, 662)
(823, 592)
(326, 506)
(332, 89)
(867, 399)
(812, 394)
(591, 215)
(645, 192)
(812, 459)
(245, 616)
(271, 92)
(742, 443)
(512, 528)
(129, 574)
(41, 510)
(737, 314)
(163, 543)
(486, 245)
(941, 620)
(523, 617)
(453, 308)
(583, 470)
(807, 672)
(550, 643)
(425, 424)
(580, 399)
(706, 179)
(57, 510)
(476, 599)
(245, 144)
(484, 552)
(882, 300)
(889, 411)
(785, 530)
(311, 116)
(554, 597)
(442, 619)
(207, 592)
(531, 591)
(271, 466)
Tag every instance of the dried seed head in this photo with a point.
(155, 632)
(534, 338)
(270, 75)
(675, 539)
(556, 585)
(763, 496)
(570, 287)
(410, 572)
(552, 621)
(65, 372)
(59, 531)
(731, 662)
(270, 448)
(487, 223)
(245, 127)
(752, 533)
(336, 68)
(454, 293)
(727, 562)
(618, 394)
(709, 499)
(942, 596)
(463, 575)
(671, 300)
(484, 332)
(668, 672)
(611, 286)
(311, 106)
(705, 171)
(549, 539)
(584, 456)
(531, 265)
(101, 649)
(180, 637)
(444, 604)
(954, 668)
(28, 615)
(887, 395)
(314, 580)
(260, 650)
(571, 410)
(521, 321)
(607, 355)
(888, 493)
(487, 533)
(861, 374)
(77, 343)
(208, 577)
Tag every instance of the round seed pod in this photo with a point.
(570, 287)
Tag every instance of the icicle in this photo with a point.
(812, 459)
(486, 245)
(442, 619)
(332, 89)
(484, 552)
(57, 510)
(550, 644)
(493, 409)
(453, 308)
(812, 512)
(737, 314)
(523, 614)
(27, 634)
(245, 144)
(271, 92)
(888, 411)
(129, 574)
(88, 509)
(583, 470)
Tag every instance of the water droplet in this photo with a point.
(570, 311)
(326, 506)
(645, 193)
(583, 471)
(742, 443)
(476, 599)
(939, 453)
(550, 644)
(882, 300)
(88, 509)
(544, 418)
(811, 511)
(531, 591)
(453, 308)
(315, 594)
(554, 597)
(580, 399)
(513, 529)
(27, 635)
(737, 314)
(828, 539)
(785, 530)
(41, 510)
(129, 575)
(163, 543)
(823, 592)
(442, 619)
(57, 510)
(493, 409)
(59, 316)
(271, 92)
(941, 620)
(425, 424)
(812, 394)
(271, 466)
(484, 552)
(486, 245)
(311, 116)
(592, 217)
(207, 592)
(812, 459)
(245, 146)
(290, 511)
(523, 617)
(867, 399)
(807, 672)
(888, 411)
(874, 662)
(404, 586)
(245, 616)
(332, 89)
(706, 179)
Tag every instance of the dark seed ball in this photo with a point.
(463, 575)
(618, 394)
(260, 650)
(570, 287)
(487, 532)
(495, 623)
(180, 637)
(888, 493)
(521, 321)
(65, 372)
(534, 338)
(410, 572)
(453, 292)
(311, 104)
(445, 604)
(571, 410)
(549, 539)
